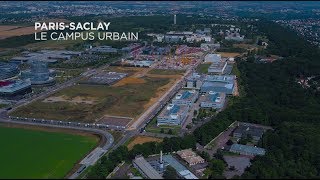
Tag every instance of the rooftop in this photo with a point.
(184, 94)
(147, 169)
(173, 110)
(247, 149)
(247, 129)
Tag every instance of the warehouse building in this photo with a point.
(247, 150)
(185, 97)
(214, 100)
(173, 115)
(145, 168)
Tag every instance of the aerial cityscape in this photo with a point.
(159, 89)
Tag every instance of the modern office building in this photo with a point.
(11, 88)
(39, 74)
(185, 97)
(8, 70)
(182, 171)
(218, 83)
(217, 67)
(194, 81)
(173, 115)
(214, 100)
(212, 58)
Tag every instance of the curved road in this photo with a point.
(91, 158)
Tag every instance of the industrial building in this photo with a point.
(194, 81)
(214, 100)
(8, 70)
(190, 157)
(173, 115)
(218, 83)
(145, 168)
(244, 130)
(11, 88)
(103, 49)
(212, 58)
(49, 56)
(217, 67)
(185, 97)
(39, 74)
(182, 171)
(247, 150)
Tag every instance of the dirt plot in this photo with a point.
(16, 31)
(116, 121)
(228, 54)
(141, 140)
(76, 100)
(129, 80)
(6, 28)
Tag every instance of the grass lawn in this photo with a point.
(203, 68)
(126, 100)
(27, 153)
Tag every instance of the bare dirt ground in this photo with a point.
(113, 120)
(141, 140)
(76, 100)
(129, 80)
(239, 162)
(7, 31)
(228, 54)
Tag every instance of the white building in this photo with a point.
(212, 58)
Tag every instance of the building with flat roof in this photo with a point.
(11, 88)
(245, 130)
(185, 97)
(173, 115)
(212, 58)
(218, 83)
(181, 170)
(247, 150)
(145, 168)
(190, 157)
(214, 100)
(217, 67)
(8, 70)
(194, 81)
(103, 49)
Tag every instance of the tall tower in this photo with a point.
(161, 160)
(175, 19)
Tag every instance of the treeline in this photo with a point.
(107, 163)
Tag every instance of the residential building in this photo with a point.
(247, 150)
(214, 100)
(145, 168)
(173, 115)
(185, 97)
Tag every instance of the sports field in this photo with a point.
(30, 153)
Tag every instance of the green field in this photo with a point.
(127, 100)
(203, 68)
(27, 153)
